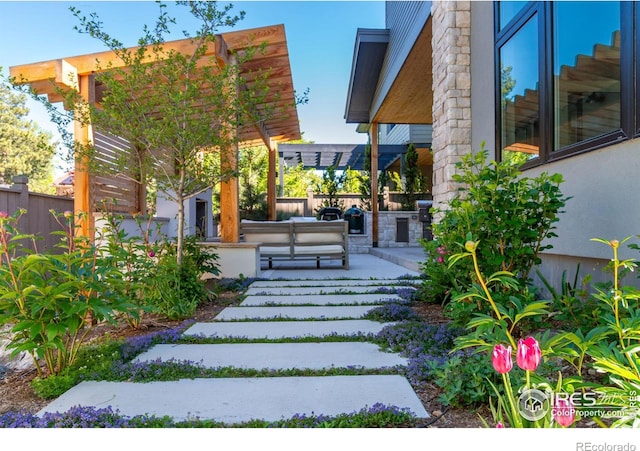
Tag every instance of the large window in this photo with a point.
(565, 80)
(519, 99)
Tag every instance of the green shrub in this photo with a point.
(53, 299)
(510, 214)
(463, 379)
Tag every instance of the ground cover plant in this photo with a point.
(376, 416)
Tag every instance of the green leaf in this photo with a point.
(612, 366)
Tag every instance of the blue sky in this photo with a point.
(320, 36)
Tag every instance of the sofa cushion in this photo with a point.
(314, 250)
(267, 238)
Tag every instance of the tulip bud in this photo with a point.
(564, 412)
(470, 246)
(151, 254)
(529, 354)
(501, 359)
(3, 214)
(614, 243)
(499, 425)
(68, 214)
(440, 260)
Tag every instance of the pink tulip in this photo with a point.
(529, 354)
(499, 425)
(440, 260)
(501, 359)
(564, 412)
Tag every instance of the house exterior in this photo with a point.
(553, 84)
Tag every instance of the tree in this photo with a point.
(177, 108)
(25, 149)
(412, 177)
(298, 180)
(252, 169)
(331, 184)
(352, 181)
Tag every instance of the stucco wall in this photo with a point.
(604, 184)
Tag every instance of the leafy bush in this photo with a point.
(53, 299)
(510, 214)
(463, 378)
(152, 275)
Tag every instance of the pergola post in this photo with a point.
(229, 196)
(83, 134)
(374, 184)
(271, 182)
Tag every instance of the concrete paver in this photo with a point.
(301, 313)
(319, 299)
(333, 283)
(234, 400)
(361, 266)
(277, 356)
(337, 289)
(284, 329)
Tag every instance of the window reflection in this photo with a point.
(508, 11)
(520, 104)
(586, 70)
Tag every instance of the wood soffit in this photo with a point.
(410, 99)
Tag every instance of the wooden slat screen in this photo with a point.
(114, 189)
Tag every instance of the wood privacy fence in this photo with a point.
(38, 220)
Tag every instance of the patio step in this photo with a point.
(326, 290)
(276, 356)
(294, 313)
(318, 299)
(333, 283)
(235, 400)
(284, 329)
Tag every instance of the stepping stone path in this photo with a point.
(270, 310)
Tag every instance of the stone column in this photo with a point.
(451, 47)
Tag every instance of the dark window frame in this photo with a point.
(629, 86)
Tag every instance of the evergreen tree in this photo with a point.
(412, 177)
(25, 149)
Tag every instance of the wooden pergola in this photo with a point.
(78, 72)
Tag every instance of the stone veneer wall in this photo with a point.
(360, 244)
(451, 45)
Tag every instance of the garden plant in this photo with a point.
(512, 215)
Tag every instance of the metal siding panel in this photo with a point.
(420, 133)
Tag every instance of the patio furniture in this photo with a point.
(299, 240)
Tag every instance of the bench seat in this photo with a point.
(299, 240)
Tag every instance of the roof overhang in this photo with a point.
(48, 76)
(368, 56)
(341, 156)
(410, 98)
